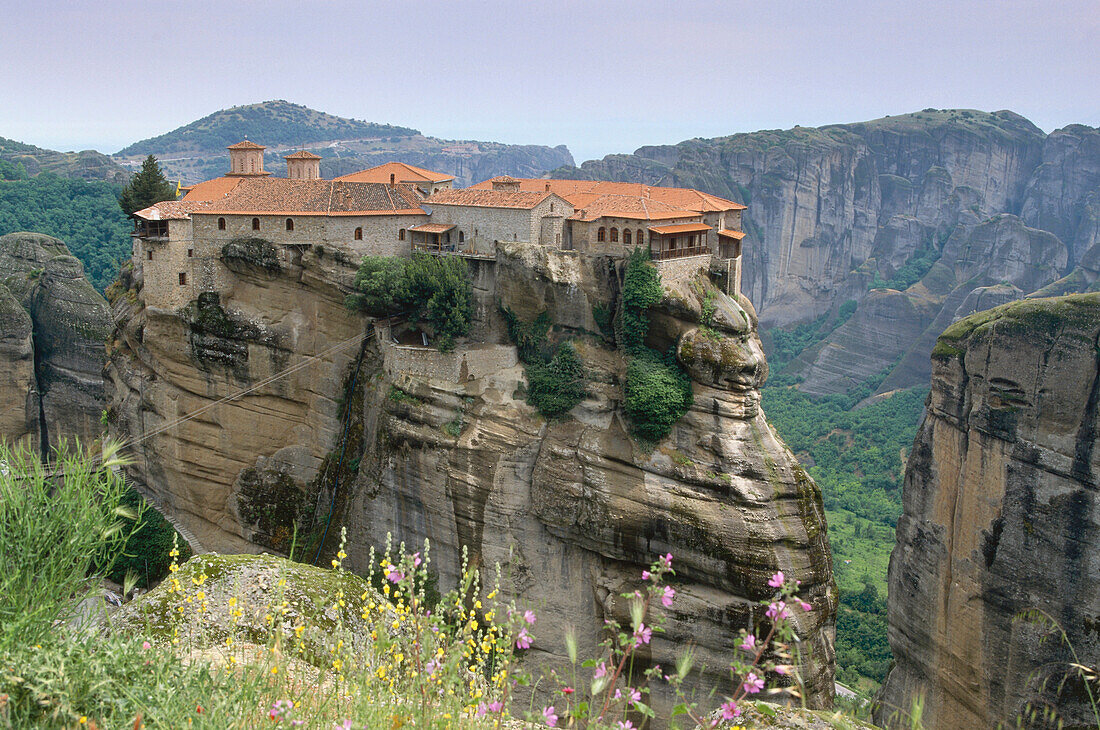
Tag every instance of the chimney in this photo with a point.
(547, 187)
(392, 179)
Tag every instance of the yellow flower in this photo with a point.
(83, 719)
(274, 670)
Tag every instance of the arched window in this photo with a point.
(221, 224)
(290, 224)
(641, 237)
(626, 236)
(401, 235)
(614, 235)
(461, 237)
(255, 224)
(601, 235)
(551, 207)
(359, 234)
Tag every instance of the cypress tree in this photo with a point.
(148, 186)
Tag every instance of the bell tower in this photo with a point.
(246, 159)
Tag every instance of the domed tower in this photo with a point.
(303, 165)
(246, 159)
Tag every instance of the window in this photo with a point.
(461, 237)
(255, 224)
(551, 207)
(601, 235)
(672, 243)
(401, 235)
(221, 224)
(290, 224)
(190, 253)
(557, 240)
(359, 234)
(626, 236)
(183, 279)
(614, 235)
(150, 254)
(641, 237)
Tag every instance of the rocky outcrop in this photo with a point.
(1001, 516)
(834, 213)
(52, 344)
(571, 510)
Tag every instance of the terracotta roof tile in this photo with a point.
(401, 171)
(482, 198)
(219, 187)
(684, 198)
(681, 228)
(246, 145)
(737, 235)
(270, 196)
(171, 210)
(432, 228)
(301, 155)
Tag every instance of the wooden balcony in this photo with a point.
(679, 253)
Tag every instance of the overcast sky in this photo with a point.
(598, 76)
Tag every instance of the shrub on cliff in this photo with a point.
(148, 544)
(555, 376)
(431, 289)
(658, 393)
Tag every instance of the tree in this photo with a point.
(148, 186)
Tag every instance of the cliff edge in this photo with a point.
(1001, 515)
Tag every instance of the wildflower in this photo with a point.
(548, 714)
(529, 616)
(145, 645)
(782, 669)
(805, 606)
(567, 690)
(730, 710)
(600, 670)
(633, 695)
(749, 644)
(777, 610)
(624, 725)
(83, 719)
(666, 560)
(777, 580)
(482, 708)
(345, 726)
(393, 575)
(416, 560)
(523, 641)
(646, 575)
(496, 706)
(753, 683)
(667, 596)
(642, 635)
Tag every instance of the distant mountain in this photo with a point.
(86, 165)
(875, 236)
(273, 123)
(196, 151)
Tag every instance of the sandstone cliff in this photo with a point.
(51, 343)
(836, 211)
(445, 448)
(1001, 515)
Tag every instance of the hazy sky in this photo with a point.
(601, 77)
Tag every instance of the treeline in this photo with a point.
(84, 214)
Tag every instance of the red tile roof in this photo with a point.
(401, 171)
(591, 207)
(681, 228)
(737, 235)
(684, 198)
(432, 228)
(169, 210)
(246, 145)
(281, 196)
(481, 198)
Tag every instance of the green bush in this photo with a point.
(658, 393)
(556, 386)
(432, 289)
(641, 290)
(148, 543)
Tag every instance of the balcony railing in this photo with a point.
(679, 253)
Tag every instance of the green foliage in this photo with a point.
(54, 531)
(432, 289)
(146, 187)
(148, 542)
(12, 170)
(602, 314)
(641, 290)
(787, 344)
(556, 386)
(555, 376)
(658, 393)
(85, 215)
(912, 271)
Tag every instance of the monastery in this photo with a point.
(395, 209)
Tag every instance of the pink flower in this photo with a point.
(753, 684)
(548, 714)
(624, 725)
(529, 616)
(523, 641)
(749, 644)
(646, 575)
(777, 580)
(416, 560)
(666, 560)
(567, 690)
(345, 726)
(633, 695)
(782, 669)
(730, 710)
(496, 706)
(642, 635)
(777, 610)
(805, 606)
(667, 596)
(600, 670)
(145, 645)
(481, 709)
(393, 575)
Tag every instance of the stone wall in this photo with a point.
(685, 268)
(458, 366)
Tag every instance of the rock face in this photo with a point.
(1002, 515)
(52, 343)
(386, 442)
(837, 212)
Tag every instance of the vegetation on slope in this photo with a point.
(83, 214)
(275, 122)
(145, 188)
(31, 160)
(555, 375)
